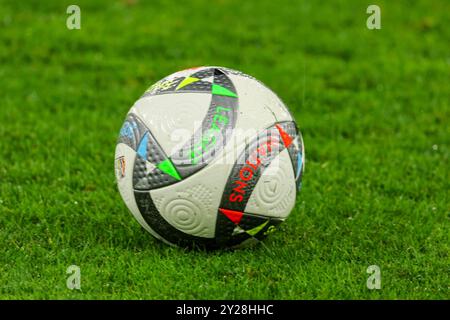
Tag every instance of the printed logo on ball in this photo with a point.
(120, 167)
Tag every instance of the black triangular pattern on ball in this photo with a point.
(225, 236)
(250, 221)
(148, 181)
(295, 149)
(143, 180)
(197, 86)
(202, 74)
(221, 107)
(223, 80)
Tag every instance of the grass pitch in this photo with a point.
(373, 107)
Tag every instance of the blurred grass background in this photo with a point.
(372, 106)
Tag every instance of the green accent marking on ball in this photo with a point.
(209, 137)
(257, 229)
(222, 91)
(186, 81)
(167, 166)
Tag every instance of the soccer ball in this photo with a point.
(209, 157)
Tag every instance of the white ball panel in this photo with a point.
(252, 102)
(278, 107)
(172, 118)
(256, 95)
(187, 209)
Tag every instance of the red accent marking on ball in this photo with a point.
(234, 216)
(287, 139)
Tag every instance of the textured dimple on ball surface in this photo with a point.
(187, 210)
(274, 194)
(157, 223)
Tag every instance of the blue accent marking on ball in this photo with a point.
(142, 150)
(127, 130)
(299, 165)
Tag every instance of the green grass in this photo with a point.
(373, 107)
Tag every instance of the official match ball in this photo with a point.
(209, 157)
